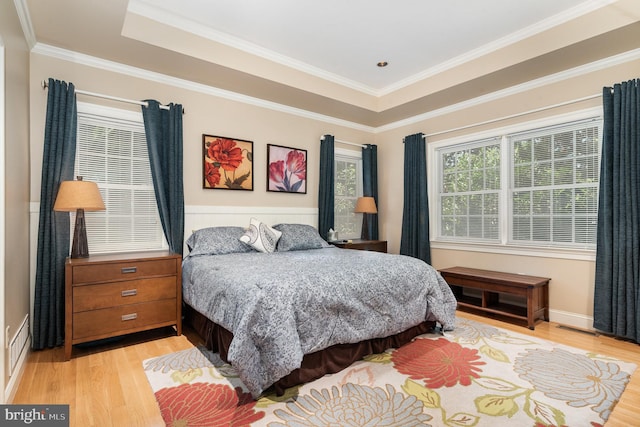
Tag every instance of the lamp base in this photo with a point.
(80, 247)
(364, 235)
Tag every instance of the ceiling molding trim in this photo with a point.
(147, 9)
(22, 9)
(532, 30)
(103, 64)
(611, 61)
(95, 62)
(162, 16)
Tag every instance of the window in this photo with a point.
(111, 150)
(471, 191)
(554, 185)
(534, 188)
(348, 187)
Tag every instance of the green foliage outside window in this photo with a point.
(551, 188)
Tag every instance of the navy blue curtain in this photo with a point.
(326, 188)
(163, 129)
(53, 227)
(370, 185)
(415, 215)
(617, 279)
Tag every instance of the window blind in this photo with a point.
(554, 187)
(470, 196)
(112, 151)
(348, 187)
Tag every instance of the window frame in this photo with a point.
(135, 121)
(505, 246)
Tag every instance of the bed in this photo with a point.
(286, 307)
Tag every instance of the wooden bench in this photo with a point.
(493, 283)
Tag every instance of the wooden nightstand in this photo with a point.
(111, 295)
(363, 245)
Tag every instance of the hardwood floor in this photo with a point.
(106, 386)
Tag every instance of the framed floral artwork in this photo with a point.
(286, 169)
(228, 163)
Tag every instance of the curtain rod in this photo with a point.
(355, 144)
(548, 107)
(112, 98)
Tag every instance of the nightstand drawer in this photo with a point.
(92, 297)
(122, 270)
(98, 323)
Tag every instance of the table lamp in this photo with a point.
(366, 206)
(79, 196)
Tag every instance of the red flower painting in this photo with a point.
(287, 169)
(211, 174)
(440, 363)
(226, 153)
(227, 163)
(206, 404)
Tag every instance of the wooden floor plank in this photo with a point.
(106, 385)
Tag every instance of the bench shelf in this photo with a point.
(534, 289)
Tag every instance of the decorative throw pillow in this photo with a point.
(261, 237)
(217, 241)
(299, 237)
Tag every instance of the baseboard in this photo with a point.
(14, 380)
(574, 320)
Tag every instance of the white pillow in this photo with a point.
(261, 237)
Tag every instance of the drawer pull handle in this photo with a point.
(132, 316)
(129, 293)
(126, 270)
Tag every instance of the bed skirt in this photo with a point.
(314, 365)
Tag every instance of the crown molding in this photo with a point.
(22, 9)
(162, 16)
(532, 84)
(147, 9)
(103, 64)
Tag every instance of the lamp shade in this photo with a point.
(366, 205)
(74, 195)
(79, 196)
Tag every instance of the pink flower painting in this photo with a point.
(287, 169)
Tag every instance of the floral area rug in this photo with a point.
(477, 375)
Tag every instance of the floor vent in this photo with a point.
(18, 344)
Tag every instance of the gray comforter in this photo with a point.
(280, 306)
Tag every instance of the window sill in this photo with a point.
(572, 254)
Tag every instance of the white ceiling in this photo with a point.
(344, 40)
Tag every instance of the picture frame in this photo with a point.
(286, 169)
(227, 163)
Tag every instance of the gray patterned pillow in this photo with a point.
(261, 237)
(299, 237)
(217, 241)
